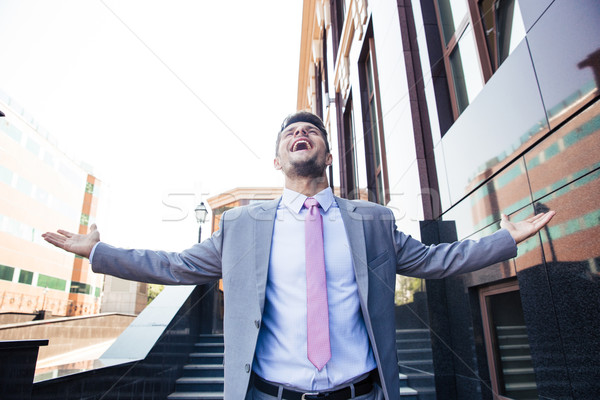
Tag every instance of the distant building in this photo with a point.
(239, 197)
(123, 296)
(225, 201)
(451, 112)
(42, 189)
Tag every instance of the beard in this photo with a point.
(311, 168)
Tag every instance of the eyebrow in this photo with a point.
(309, 125)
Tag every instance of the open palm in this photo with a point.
(74, 242)
(525, 229)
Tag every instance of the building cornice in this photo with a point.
(316, 15)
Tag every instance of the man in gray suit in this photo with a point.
(259, 252)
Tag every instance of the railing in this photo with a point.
(146, 359)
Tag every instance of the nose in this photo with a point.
(300, 131)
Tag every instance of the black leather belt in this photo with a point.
(360, 388)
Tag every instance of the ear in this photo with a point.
(328, 159)
(276, 164)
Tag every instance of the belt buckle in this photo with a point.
(315, 394)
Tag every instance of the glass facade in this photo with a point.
(511, 91)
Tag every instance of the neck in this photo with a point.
(307, 186)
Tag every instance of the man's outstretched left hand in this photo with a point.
(527, 228)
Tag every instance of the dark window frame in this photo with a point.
(346, 147)
(338, 8)
(487, 56)
(377, 172)
(490, 337)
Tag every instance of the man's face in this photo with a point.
(302, 151)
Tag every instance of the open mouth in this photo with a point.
(301, 144)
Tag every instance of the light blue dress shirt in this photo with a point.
(281, 349)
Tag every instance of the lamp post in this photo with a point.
(201, 213)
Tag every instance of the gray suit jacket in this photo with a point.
(239, 253)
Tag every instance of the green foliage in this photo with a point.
(406, 288)
(153, 291)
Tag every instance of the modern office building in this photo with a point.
(42, 189)
(452, 112)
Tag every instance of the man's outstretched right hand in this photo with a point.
(74, 242)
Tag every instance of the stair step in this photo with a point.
(210, 384)
(208, 344)
(407, 393)
(206, 358)
(403, 380)
(422, 342)
(201, 379)
(203, 370)
(402, 334)
(209, 347)
(414, 354)
(196, 396)
(210, 338)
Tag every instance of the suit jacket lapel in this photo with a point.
(353, 222)
(264, 220)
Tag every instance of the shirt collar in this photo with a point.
(294, 201)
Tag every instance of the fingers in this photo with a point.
(65, 233)
(504, 221)
(543, 219)
(539, 220)
(93, 228)
(54, 239)
(535, 218)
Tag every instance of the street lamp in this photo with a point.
(201, 213)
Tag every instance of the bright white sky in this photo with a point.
(163, 98)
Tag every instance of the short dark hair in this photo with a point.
(303, 116)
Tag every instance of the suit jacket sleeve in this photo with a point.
(415, 259)
(197, 265)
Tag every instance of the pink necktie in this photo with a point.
(317, 321)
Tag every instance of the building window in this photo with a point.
(503, 27)
(325, 88)
(6, 175)
(89, 187)
(377, 180)
(507, 343)
(348, 149)
(338, 12)
(80, 288)
(6, 273)
(51, 282)
(318, 90)
(477, 36)
(26, 277)
(465, 71)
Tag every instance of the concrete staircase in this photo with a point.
(517, 368)
(202, 377)
(416, 363)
